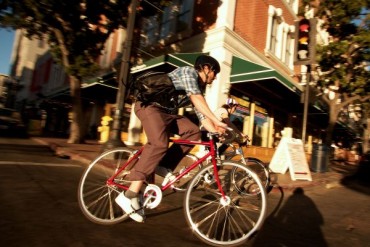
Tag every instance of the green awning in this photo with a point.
(105, 80)
(244, 71)
(100, 88)
(96, 83)
(170, 60)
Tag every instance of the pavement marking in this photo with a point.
(36, 164)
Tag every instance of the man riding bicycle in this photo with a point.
(159, 119)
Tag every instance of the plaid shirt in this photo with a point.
(186, 79)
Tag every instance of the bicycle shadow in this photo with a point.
(171, 202)
(295, 223)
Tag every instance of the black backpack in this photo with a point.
(156, 87)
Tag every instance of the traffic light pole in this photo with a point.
(115, 133)
(305, 42)
(305, 72)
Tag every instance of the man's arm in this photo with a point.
(201, 105)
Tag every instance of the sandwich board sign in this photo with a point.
(290, 155)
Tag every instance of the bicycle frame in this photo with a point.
(224, 202)
(213, 153)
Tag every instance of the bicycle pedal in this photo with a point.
(140, 211)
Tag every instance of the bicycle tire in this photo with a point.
(96, 198)
(224, 223)
(261, 170)
(257, 166)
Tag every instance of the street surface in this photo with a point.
(38, 195)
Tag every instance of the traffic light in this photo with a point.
(305, 41)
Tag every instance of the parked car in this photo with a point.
(11, 123)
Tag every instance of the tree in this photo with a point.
(342, 63)
(76, 31)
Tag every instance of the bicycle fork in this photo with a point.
(216, 161)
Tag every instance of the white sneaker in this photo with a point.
(168, 178)
(129, 207)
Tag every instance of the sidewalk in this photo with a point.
(85, 153)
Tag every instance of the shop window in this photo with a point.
(238, 116)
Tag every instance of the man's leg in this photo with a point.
(155, 125)
(187, 130)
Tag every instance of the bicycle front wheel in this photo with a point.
(96, 197)
(229, 220)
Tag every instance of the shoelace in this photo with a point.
(168, 178)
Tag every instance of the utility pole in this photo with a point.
(115, 133)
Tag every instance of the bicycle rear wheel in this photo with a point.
(95, 197)
(228, 221)
(255, 164)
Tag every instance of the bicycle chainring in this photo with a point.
(152, 196)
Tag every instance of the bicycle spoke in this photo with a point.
(95, 196)
(233, 218)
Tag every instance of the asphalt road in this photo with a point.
(38, 195)
(336, 216)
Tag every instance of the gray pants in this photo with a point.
(158, 126)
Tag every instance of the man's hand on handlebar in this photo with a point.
(221, 127)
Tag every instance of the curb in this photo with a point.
(66, 153)
(329, 180)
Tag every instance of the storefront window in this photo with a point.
(241, 112)
(252, 119)
(260, 126)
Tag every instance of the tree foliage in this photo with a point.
(346, 57)
(76, 31)
(342, 69)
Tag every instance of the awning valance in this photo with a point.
(107, 80)
(167, 62)
(244, 71)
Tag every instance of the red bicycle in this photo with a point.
(224, 202)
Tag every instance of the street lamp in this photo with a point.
(115, 133)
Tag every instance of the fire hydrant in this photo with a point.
(104, 129)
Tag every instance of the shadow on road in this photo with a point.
(296, 223)
(360, 179)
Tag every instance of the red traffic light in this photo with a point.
(305, 41)
(304, 27)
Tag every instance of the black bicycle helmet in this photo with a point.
(207, 60)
